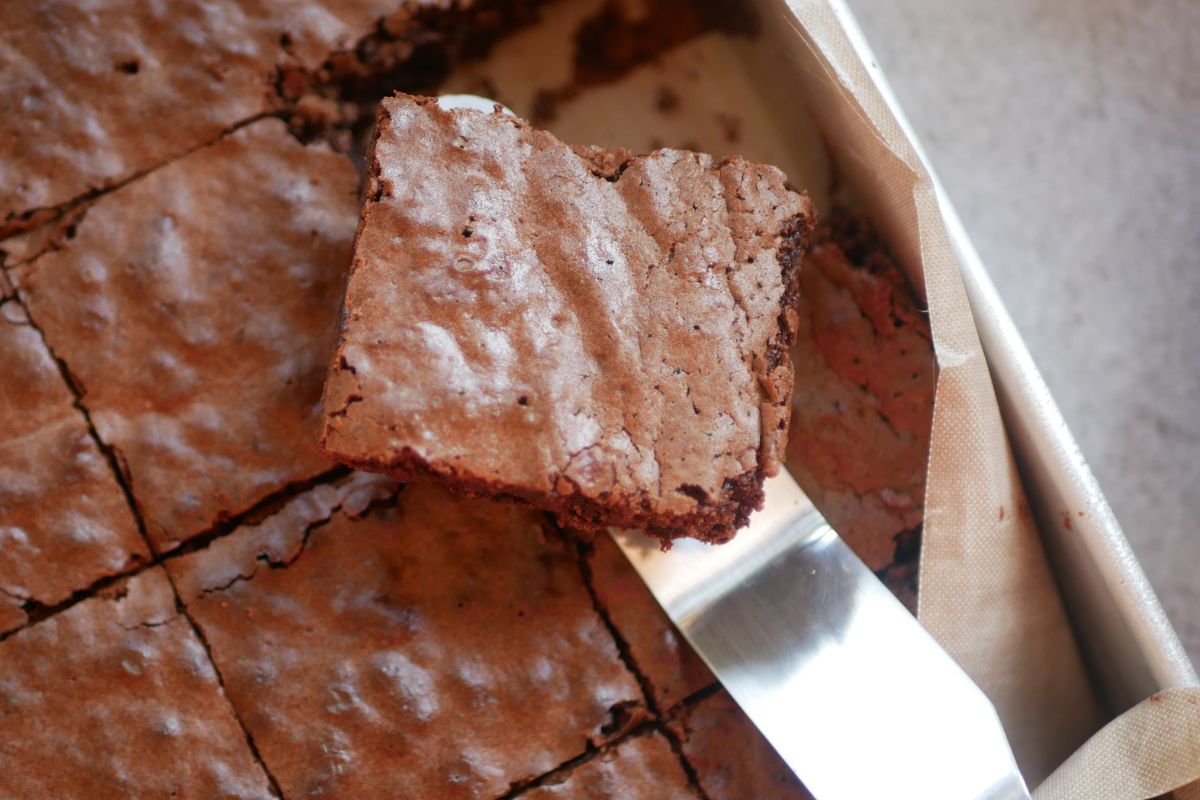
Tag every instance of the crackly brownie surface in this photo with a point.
(105, 90)
(64, 522)
(196, 310)
(865, 374)
(642, 766)
(116, 698)
(423, 646)
(602, 335)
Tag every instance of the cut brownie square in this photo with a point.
(64, 522)
(196, 309)
(115, 698)
(601, 335)
(864, 363)
(410, 645)
(644, 766)
(731, 758)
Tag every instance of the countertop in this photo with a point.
(1067, 134)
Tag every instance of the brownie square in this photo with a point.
(115, 698)
(601, 335)
(195, 310)
(641, 767)
(64, 522)
(410, 645)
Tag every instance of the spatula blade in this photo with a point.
(852, 692)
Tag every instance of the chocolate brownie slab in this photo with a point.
(196, 309)
(115, 698)
(64, 522)
(641, 767)
(410, 645)
(865, 373)
(601, 335)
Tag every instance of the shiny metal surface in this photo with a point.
(832, 669)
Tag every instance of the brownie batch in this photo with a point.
(194, 600)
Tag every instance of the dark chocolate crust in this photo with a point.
(623, 323)
(711, 522)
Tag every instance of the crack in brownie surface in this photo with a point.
(195, 309)
(434, 646)
(100, 91)
(64, 523)
(642, 766)
(598, 334)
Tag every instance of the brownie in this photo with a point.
(643, 766)
(96, 94)
(671, 668)
(374, 640)
(601, 335)
(195, 310)
(64, 522)
(406, 645)
(115, 698)
(731, 758)
(865, 373)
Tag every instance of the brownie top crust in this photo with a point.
(411, 645)
(115, 698)
(64, 523)
(97, 92)
(601, 334)
(195, 310)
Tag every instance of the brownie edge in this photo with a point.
(601, 335)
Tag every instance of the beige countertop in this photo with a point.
(1068, 136)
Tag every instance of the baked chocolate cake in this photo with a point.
(862, 415)
(600, 335)
(193, 601)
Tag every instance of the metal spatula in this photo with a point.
(850, 690)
